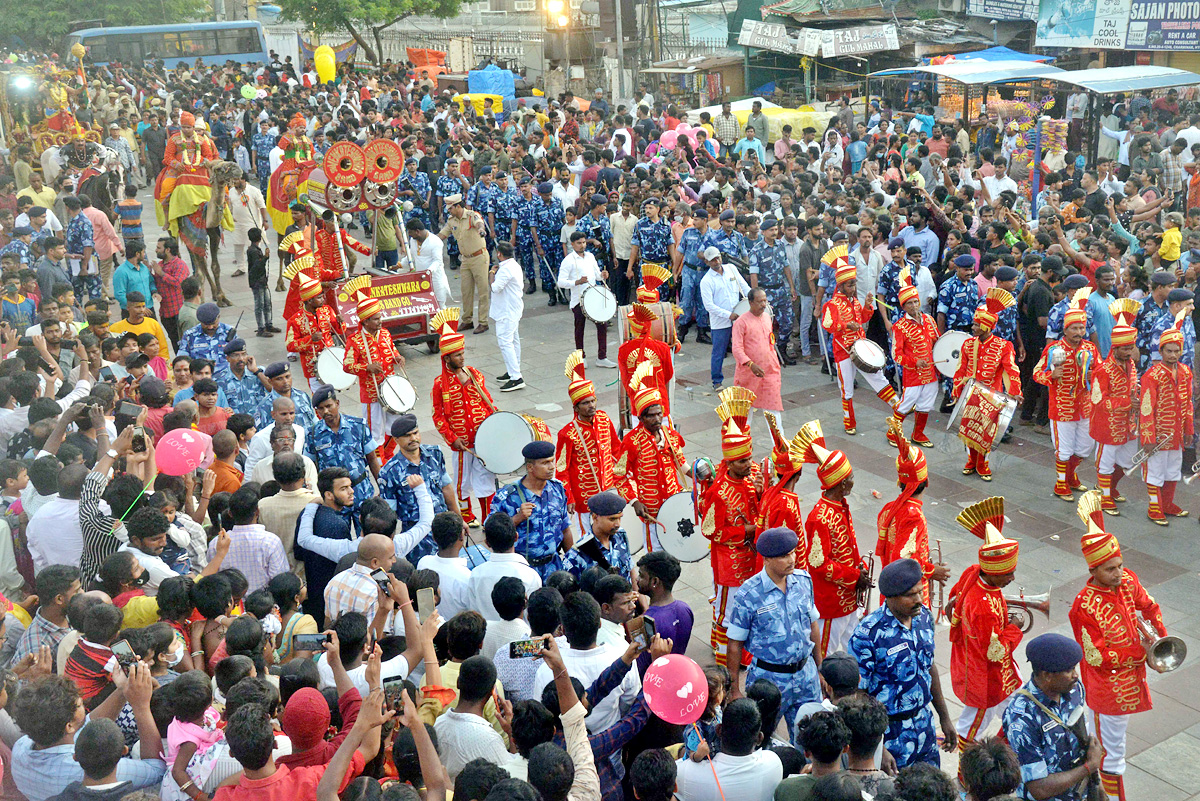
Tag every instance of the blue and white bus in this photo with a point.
(213, 43)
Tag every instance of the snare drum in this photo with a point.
(397, 395)
(982, 415)
(599, 304)
(680, 529)
(947, 352)
(867, 356)
(742, 307)
(329, 369)
(635, 529)
(502, 435)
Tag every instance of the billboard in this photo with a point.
(863, 39)
(1003, 9)
(403, 297)
(1118, 24)
(1163, 26)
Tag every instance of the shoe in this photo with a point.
(946, 408)
(1028, 422)
(1042, 430)
(291, 357)
(238, 273)
(683, 331)
(465, 325)
(968, 471)
(702, 338)
(717, 387)
(274, 330)
(502, 378)
(851, 431)
(1069, 497)
(263, 333)
(513, 385)
(479, 329)
(553, 301)
(1159, 522)
(609, 363)
(986, 476)
(530, 288)
(1113, 512)
(824, 368)
(924, 443)
(788, 361)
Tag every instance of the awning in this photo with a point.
(1110, 80)
(974, 72)
(1000, 53)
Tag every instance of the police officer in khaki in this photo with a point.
(468, 228)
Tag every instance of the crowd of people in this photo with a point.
(321, 585)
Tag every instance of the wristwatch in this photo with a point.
(111, 454)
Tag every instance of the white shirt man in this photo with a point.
(566, 194)
(260, 447)
(752, 777)
(454, 577)
(54, 534)
(721, 288)
(155, 567)
(484, 578)
(427, 254)
(507, 306)
(587, 665)
(574, 266)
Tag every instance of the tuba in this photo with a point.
(1022, 607)
(1163, 654)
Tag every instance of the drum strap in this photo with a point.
(587, 453)
(482, 395)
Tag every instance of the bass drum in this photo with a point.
(502, 435)
(599, 304)
(330, 371)
(634, 528)
(947, 352)
(663, 328)
(680, 529)
(397, 395)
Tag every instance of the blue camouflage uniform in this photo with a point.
(826, 279)
(654, 241)
(600, 229)
(538, 537)
(263, 144)
(244, 393)
(80, 234)
(448, 185)
(306, 416)
(419, 183)
(1006, 324)
(549, 219)
(504, 207)
(894, 662)
(482, 198)
(731, 244)
(958, 300)
(1147, 322)
(1056, 315)
(616, 554)
(394, 489)
(690, 247)
(21, 250)
(1189, 339)
(1043, 747)
(889, 288)
(769, 262)
(777, 628)
(347, 447)
(525, 212)
(199, 345)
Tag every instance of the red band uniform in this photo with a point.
(642, 347)
(310, 331)
(1166, 421)
(365, 348)
(587, 445)
(912, 348)
(1115, 401)
(991, 362)
(903, 530)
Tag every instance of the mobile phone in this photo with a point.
(525, 649)
(123, 651)
(640, 630)
(139, 440)
(393, 691)
(309, 642)
(425, 603)
(382, 579)
(129, 409)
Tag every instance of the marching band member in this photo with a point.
(310, 330)
(1166, 420)
(991, 362)
(643, 347)
(903, 531)
(334, 249)
(587, 445)
(1066, 369)
(913, 336)
(1104, 618)
(1115, 400)
(460, 403)
(833, 561)
(982, 638)
(372, 356)
(728, 512)
(780, 505)
(651, 458)
(845, 320)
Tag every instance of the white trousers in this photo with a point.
(379, 421)
(1071, 439)
(922, 398)
(509, 340)
(973, 722)
(835, 633)
(846, 373)
(1109, 457)
(314, 383)
(1110, 730)
(470, 477)
(1164, 466)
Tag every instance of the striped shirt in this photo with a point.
(256, 552)
(99, 540)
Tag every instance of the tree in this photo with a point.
(361, 18)
(52, 21)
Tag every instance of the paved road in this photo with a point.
(1164, 744)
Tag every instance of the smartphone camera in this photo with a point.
(382, 579)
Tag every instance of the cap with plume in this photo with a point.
(653, 276)
(1174, 334)
(643, 392)
(445, 322)
(1077, 308)
(1098, 545)
(995, 301)
(1124, 312)
(734, 412)
(985, 519)
(580, 387)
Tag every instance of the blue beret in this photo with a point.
(1053, 653)
(451, 161)
(776, 542)
(598, 200)
(323, 393)
(1179, 294)
(404, 424)
(524, 179)
(276, 369)
(768, 223)
(538, 449)
(606, 503)
(896, 242)
(410, 160)
(651, 201)
(207, 313)
(840, 236)
(545, 188)
(22, 230)
(1006, 273)
(899, 577)
(486, 171)
(964, 260)
(1075, 281)
(1162, 278)
(700, 213)
(501, 174)
(234, 345)
(728, 214)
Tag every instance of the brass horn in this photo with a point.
(1022, 607)
(1163, 654)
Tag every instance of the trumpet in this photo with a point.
(1145, 453)
(1195, 471)
(863, 596)
(1022, 607)
(940, 615)
(1163, 654)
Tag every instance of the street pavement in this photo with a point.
(1164, 744)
